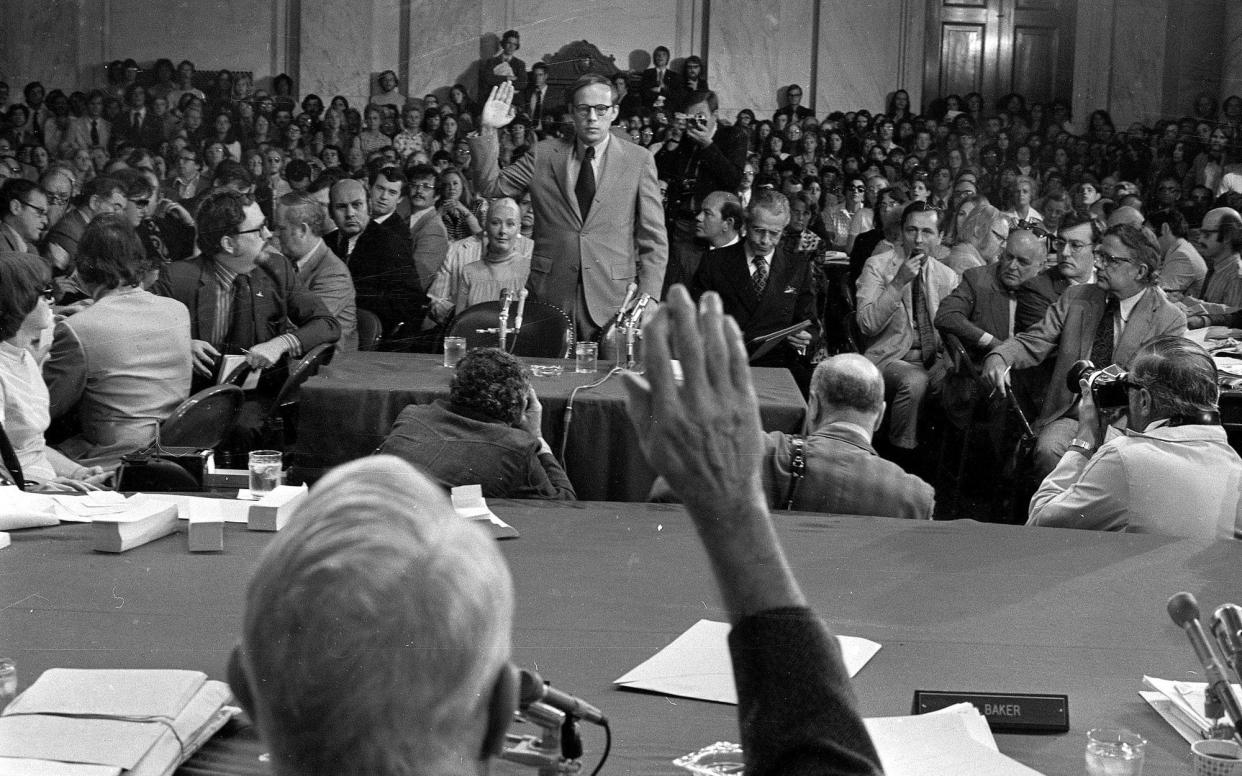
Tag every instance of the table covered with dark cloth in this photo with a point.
(349, 407)
(602, 587)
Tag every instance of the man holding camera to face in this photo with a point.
(1171, 472)
(1105, 322)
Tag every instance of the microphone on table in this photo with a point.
(521, 309)
(629, 294)
(1227, 628)
(1184, 610)
(506, 298)
(535, 690)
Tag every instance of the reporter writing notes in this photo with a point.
(1170, 472)
(795, 705)
(599, 224)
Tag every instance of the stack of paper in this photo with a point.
(954, 740)
(1181, 705)
(697, 664)
(146, 722)
(19, 509)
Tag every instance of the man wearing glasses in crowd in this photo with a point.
(24, 217)
(1106, 322)
(599, 223)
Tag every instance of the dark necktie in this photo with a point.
(759, 280)
(94, 132)
(537, 114)
(241, 331)
(923, 323)
(1102, 345)
(136, 121)
(585, 187)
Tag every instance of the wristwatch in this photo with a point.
(1080, 446)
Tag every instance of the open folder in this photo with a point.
(145, 722)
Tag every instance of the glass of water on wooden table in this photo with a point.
(1114, 752)
(265, 471)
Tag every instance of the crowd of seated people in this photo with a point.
(370, 208)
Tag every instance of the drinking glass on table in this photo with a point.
(454, 350)
(586, 357)
(1114, 752)
(265, 471)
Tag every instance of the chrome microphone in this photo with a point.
(629, 294)
(521, 309)
(1227, 628)
(506, 298)
(535, 690)
(1184, 610)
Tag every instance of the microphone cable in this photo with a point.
(569, 407)
(607, 748)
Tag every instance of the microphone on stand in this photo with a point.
(632, 327)
(1227, 628)
(506, 298)
(1184, 610)
(535, 690)
(629, 294)
(521, 308)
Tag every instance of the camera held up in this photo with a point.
(1107, 385)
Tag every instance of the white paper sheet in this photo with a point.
(954, 740)
(697, 665)
(209, 510)
(469, 503)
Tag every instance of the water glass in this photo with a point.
(454, 350)
(586, 356)
(265, 471)
(1113, 752)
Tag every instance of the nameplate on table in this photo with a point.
(1005, 712)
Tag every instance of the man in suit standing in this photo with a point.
(385, 279)
(658, 80)
(139, 125)
(599, 224)
(92, 129)
(761, 287)
(242, 297)
(1106, 322)
(505, 67)
(535, 102)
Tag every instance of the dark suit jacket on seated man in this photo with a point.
(1105, 322)
(762, 288)
(599, 223)
(487, 433)
(1171, 472)
(242, 297)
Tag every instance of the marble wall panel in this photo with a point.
(1137, 78)
(748, 66)
(444, 44)
(39, 42)
(1093, 57)
(1195, 48)
(234, 35)
(335, 50)
(862, 56)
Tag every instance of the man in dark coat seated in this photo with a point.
(489, 432)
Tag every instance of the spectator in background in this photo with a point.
(300, 224)
(505, 67)
(1182, 269)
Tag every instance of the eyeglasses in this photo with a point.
(141, 203)
(48, 293)
(57, 199)
(1034, 227)
(260, 228)
(40, 210)
(1108, 260)
(584, 111)
(1074, 245)
(1205, 232)
(858, 187)
(422, 187)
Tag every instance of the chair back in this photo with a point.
(370, 330)
(301, 371)
(203, 420)
(545, 333)
(12, 465)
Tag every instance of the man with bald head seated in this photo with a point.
(488, 432)
(300, 223)
(385, 278)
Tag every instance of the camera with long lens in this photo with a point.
(1107, 386)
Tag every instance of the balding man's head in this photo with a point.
(846, 387)
(347, 202)
(1220, 234)
(1022, 258)
(1125, 215)
(377, 630)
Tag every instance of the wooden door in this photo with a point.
(999, 46)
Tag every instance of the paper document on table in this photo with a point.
(469, 503)
(209, 510)
(1183, 701)
(953, 740)
(85, 508)
(19, 509)
(24, 766)
(697, 664)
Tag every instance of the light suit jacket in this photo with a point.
(884, 310)
(1069, 327)
(623, 239)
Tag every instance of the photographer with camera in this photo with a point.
(1106, 321)
(710, 157)
(1170, 472)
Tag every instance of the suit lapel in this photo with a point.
(560, 171)
(1137, 329)
(737, 271)
(205, 301)
(999, 304)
